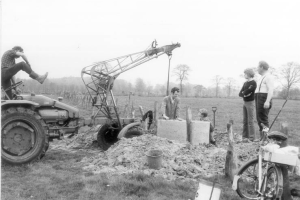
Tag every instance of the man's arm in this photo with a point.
(250, 89)
(241, 92)
(270, 86)
(23, 56)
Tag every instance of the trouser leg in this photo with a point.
(10, 72)
(245, 124)
(250, 119)
(259, 110)
(263, 112)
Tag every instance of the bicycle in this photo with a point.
(261, 178)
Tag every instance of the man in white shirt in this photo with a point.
(263, 95)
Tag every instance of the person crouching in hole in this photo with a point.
(204, 117)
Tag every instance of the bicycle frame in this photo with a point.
(262, 177)
(262, 172)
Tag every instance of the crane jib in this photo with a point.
(99, 77)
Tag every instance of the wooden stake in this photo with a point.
(125, 113)
(132, 111)
(188, 123)
(144, 123)
(231, 157)
(156, 116)
(141, 110)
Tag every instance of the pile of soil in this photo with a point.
(85, 138)
(179, 160)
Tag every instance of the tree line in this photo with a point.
(288, 75)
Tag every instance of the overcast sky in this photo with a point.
(217, 37)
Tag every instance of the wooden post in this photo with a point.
(231, 157)
(156, 116)
(145, 122)
(286, 195)
(141, 110)
(125, 115)
(132, 111)
(189, 123)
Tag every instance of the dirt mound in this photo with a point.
(179, 160)
(85, 138)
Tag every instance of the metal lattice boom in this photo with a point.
(99, 77)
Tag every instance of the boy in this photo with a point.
(204, 117)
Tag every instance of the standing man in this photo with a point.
(171, 105)
(263, 95)
(9, 68)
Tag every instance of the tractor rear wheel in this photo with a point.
(23, 137)
(107, 136)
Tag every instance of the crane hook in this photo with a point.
(154, 44)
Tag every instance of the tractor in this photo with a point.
(30, 122)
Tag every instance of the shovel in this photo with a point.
(209, 190)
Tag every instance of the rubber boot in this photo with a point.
(37, 77)
(42, 78)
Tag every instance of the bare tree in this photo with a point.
(140, 86)
(181, 72)
(198, 90)
(217, 81)
(149, 89)
(159, 89)
(230, 82)
(187, 89)
(290, 74)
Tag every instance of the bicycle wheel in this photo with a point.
(247, 185)
(274, 183)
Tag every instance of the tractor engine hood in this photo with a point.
(44, 101)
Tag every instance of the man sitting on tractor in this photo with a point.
(9, 68)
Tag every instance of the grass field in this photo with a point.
(231, 109)
(59, 174)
